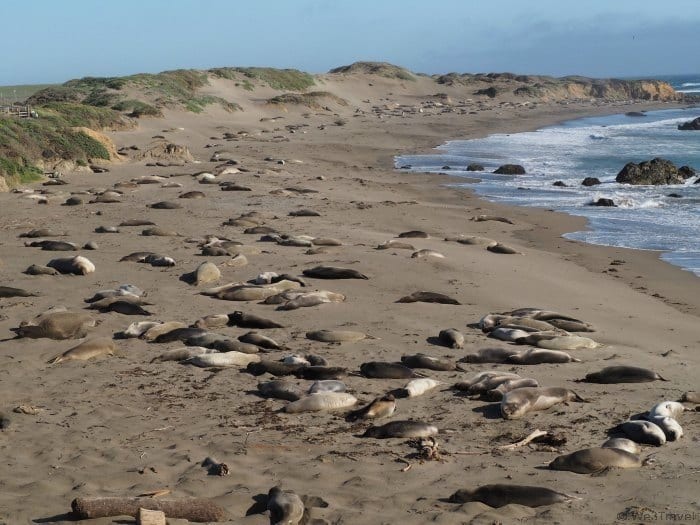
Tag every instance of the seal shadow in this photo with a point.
(259, 506)
(188, 278)
(436, 341)
(490, 411)
(68, 516)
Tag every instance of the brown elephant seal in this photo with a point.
(486, 382)
(385, 370)
(395, 245)
(36, 269)
(287, 508)
(137, 222)
(165, 205)
(428, 362)
(275, 368)
(159, 232)
(57, 325)
(280, 389)
(41, 232)
(78, 265)
(645, 432)
(451, 338)
(321, 372)
(321, 401)
(623, 444)
(497, 393)
(596, 460)
(623, 374)
(488, 355)
(170, 334)
(471, 240)
(335, 336)
(8, 291)
(243, 320)
(121, 306)
(181, 354)
(428, 297)
(516, 403)
(259, 340)
(53, 246)
(333, 272)
(499, 495)
(691, 397)
(86, 350)
(380, 407)
(413, 234)
(401, 429)
(502, 249)
(537, 356)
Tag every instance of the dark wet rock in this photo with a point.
(590, 181)
(510, 169)
(603, 202)
(691, 125)
(475, 167)
(559, 184)
(652, 172)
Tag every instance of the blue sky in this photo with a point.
(56, 40)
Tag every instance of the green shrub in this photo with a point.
(18, 171)
(282, 79)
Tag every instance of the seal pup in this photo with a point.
(500, 495)
(308, 299)
(212, 321)
(451, 338)
(428, 297)
(56, 325)
(645, 432)
(667, 409)
(596, 460)
(428, 362)
(159, 232)
(321, 372)
(516, 403)
(207, 272)
(321, 401)
(485, 381)
(536, 356)
(502, 249)
(380, 407)
(333, 272)
(418, 387)
(623, 444)
(243, 320)
(335, 336)
(285, 508)
(623, 374)
(121, 306)
(401, 429)
(510, 335)
(385, 370)
(165, 205)
(86, 350)
(280, 389)
(691, 397)
(77, 265)
(275, 368)
(471, 240)
(158, 330)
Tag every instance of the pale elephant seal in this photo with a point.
(516, 403)
(558, 342)
(385, 370)
(509, 321)
(177, 334)
(596, 460)
(280, 389)
(496, 394)
(428, 362)
(335, 336)
(644, 432)
(497, 496)
(285, 508)
(510, 335)
(422, 254)
(308, 299)
(471, 240)
(207, 272)
(244, 320)
(452, 338)
(222, 360)
(418, 387)
(484, 382)
(136, 329)
(181, 354)
(333, 272)
(623, 374)
(380, 407)
(401, 429)
(212, 321)
(671, 428)
(395, 245)
(327, 385)
(78, 265)
(571, 325)
(161, 330)
(57, 325)
(536, 356)
(428, 297)
(623, 444)
(667, 409)
(321, 401)
(86, 350)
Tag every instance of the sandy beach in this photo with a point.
(124, 426)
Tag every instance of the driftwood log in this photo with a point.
(196, 510)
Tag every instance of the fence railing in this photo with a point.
(17, 111)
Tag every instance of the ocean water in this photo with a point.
(646, 217)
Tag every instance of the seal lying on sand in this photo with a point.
(500, 495)
(86, 350)
(333, 272)
(381, 407)
(321, 401)
(401, 429)
(78, 265)
(452, 338)
(57, 325)
(516, 403)
(597, 460)
(428, 297)
(623, 374)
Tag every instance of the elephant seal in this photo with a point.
(488, 355)
(86, 350)
(207, 272)
(510, 335)
(136, 329)
(384, 370)
(516, 403)
(380, 407)
(222, 360)
(160, 332)
(623, 374)
(691, 397)
(482, 383)
(9, 291)
(321, 401)
(556, 341)
(321, 373)
(428, 297)
(137, 222)
(243, 320)
(36, 269)
(667, 409)
(471, 240)
(275, 368)
(401, 429)
(451, 338)
(623, 444)
(536, 356)
(280, 389)
(333, 272)
(395, 245)
(645, 432)
(181, 354)
(53, 246)
(336, 336)
(422, 254)
(165, 205)
(285, 508)
(259, 340)
(502, 249)
(497, 393)
(418, 387)
(413, 234)
(428, 362)
(57, 325)
(327, 385)
(499, 495)
(159, 232)
(596, 460)
(308, 299)
(77, 265)
(671, 428)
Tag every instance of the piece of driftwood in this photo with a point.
(197, 510)
(150, 517)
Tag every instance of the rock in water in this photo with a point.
(651, 172)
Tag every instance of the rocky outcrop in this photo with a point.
(653, 172)
(691, 125)
(590, 181)
(475, 167)
(510, 169)
(604, 202)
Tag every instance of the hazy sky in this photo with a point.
(56, 40)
